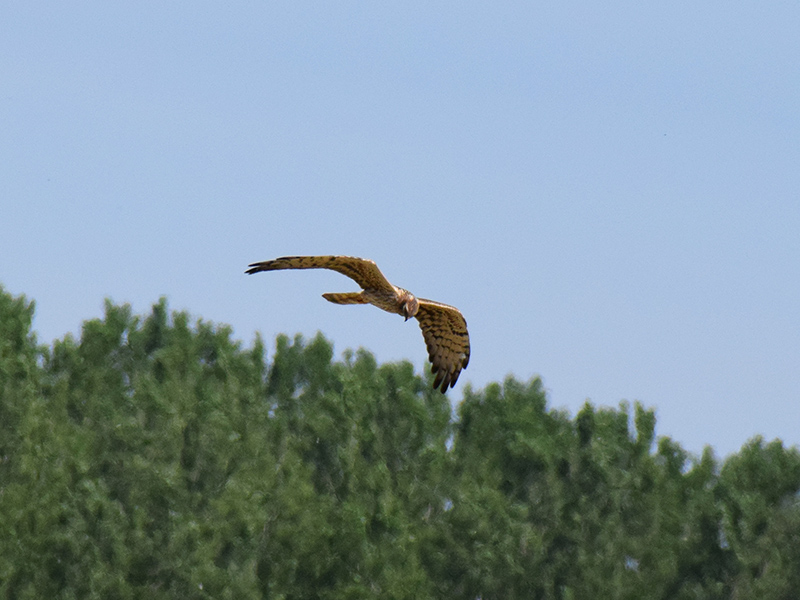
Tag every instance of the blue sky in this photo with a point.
(609, 192)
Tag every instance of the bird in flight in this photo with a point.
(443, 326)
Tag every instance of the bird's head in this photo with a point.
(410, 306)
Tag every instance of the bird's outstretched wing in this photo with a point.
(445, 331)
(361, 270)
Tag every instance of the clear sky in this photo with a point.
(610, 192)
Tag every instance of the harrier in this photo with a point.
(443, 326)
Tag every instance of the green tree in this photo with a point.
(25, 428)
(19, 370)
(369, 446)
(155, 456)
(133, 448)
(760, 497)
(511, 466)
(551, 507)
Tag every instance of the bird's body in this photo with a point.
(443, 327)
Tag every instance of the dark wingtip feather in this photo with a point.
(254, 268)
(443, 381)
(438, 380)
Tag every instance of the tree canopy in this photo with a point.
(156, 456)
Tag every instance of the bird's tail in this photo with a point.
(346, 298)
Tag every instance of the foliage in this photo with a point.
(157, 456)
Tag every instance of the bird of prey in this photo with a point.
(443, 326)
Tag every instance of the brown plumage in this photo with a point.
(443, 326)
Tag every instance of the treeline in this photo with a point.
(156, 457)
